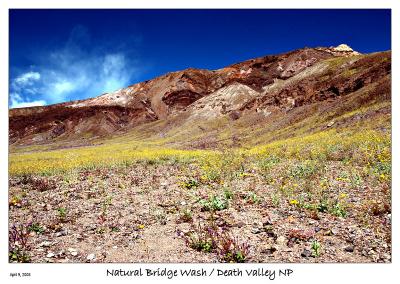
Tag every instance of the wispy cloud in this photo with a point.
(27, 79)
(25, 83)
(75, 71)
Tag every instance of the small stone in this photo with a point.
(91, 256)
(331, 123)
(386, 256)
(183, 203)
(45, 244)
(281, 240)
(349, 248)
(334, 231)
(50, 254)
(74, 253)
(268, 250)
(255, 230)
(114, 247)
(266, 222)
(306, 253)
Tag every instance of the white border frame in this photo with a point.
(303, 273)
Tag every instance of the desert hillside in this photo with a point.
(282, 158)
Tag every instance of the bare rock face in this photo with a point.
(224, 101)
(263, 85)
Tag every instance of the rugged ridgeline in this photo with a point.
(267, 93)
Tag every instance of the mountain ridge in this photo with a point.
(267, 84)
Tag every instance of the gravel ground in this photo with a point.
(134, 214)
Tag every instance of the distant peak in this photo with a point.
(340, 50)
(343, 47)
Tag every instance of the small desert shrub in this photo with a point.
(228, 194)
(315, 248)
(201, 238)
(62, 213)
(338, 210)
(190, 183)
(229, 249)
(268, 162)
(253, 198)
(303, 170)
(35, 227)
(186, 216)
(18, 247)
(213, 239)
(214, 203)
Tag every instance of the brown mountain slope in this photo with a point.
(261, 91)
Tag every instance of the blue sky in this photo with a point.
(63, 55)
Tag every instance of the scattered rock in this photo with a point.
(349, 248)
(91, 257)
(281, 240)
(330, 124)
(268, 250)
(334, 231)
(73, 251)
(306, 253)
(50, 254)
(45, 244)
(61, 233)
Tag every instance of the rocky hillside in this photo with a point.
(272, 91)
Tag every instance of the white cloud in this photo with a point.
(17, 101)
(28, 104)
(72, 72)
(27, 78)
(63, 87)
(115, 73)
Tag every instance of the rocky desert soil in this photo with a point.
(145, 213)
